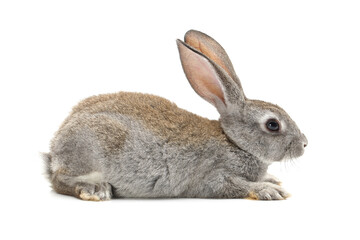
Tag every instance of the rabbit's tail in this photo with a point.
(47, 161)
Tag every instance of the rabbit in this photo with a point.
(134, 145)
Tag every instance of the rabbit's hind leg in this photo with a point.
(86, 187)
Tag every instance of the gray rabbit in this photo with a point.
(133, 145)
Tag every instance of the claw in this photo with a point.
(94, 192)
(267, 191)
(89, 197)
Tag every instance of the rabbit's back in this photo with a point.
(156, 114)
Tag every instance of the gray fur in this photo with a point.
(109, 146)
(160, 169)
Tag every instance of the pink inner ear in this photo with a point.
(201, 75)
(205, 48)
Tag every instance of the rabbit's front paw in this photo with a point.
(94, 192)
(267, 191)
(271, 179)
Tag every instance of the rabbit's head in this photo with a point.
(263, 129)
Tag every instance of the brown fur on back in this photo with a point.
(159, 115)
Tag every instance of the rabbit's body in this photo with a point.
(154, 149)
(139, 145)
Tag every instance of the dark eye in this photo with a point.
(273, 125)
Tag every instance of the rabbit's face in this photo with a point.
(264, 130)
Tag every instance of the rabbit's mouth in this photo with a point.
(293, 150)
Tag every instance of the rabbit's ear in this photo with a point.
(209, 80)
(213, 50)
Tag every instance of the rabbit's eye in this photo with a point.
(273, 125)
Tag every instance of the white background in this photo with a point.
(302, 55)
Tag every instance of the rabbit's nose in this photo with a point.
(305, 141)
